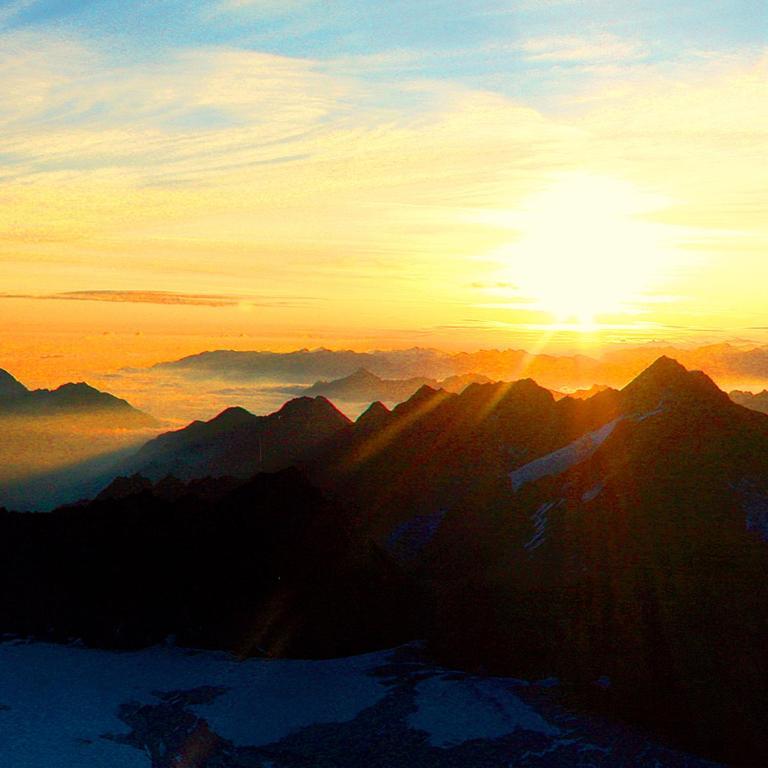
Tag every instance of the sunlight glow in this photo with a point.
(585, 249)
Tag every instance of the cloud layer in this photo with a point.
(166, 298)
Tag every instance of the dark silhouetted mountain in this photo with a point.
(262, 567)
(123, 487)
(757, 402)
(436, 448)
(620, 536)
(375, 417)
(723, 362)
(10, 388)
(170, 488)
(69, 399)
(237, 443)
(668, 381)
(636, 551)
(364, 386)
(63, 444)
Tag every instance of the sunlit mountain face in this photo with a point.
(387, 380)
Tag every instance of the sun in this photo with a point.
(587, 250)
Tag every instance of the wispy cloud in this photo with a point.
(295, 172)
(600, 47)
(263, 6)
(168, 297)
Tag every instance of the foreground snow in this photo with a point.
(69, 706)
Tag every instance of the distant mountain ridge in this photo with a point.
(726, 363)
(364, 387)
(757, 402)
(309, 365)
(68, 399)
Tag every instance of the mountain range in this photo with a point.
(731, 365)
(237, 443)
(756, 401)
(362, 386)
(617, 542)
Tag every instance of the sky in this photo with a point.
(263, 174)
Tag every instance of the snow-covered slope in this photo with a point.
(562, 460)
(567, 457)
(163, 707)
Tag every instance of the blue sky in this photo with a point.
(539, 51)
(470, 41)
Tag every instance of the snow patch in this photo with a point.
(563, 459)
(648, 414)
(488, 710)
(62, 699)
(539, 520)
(269, 699)
(577, 452)
(555, 746)
(592, 493)
(57, 702)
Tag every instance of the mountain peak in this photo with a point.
(76, 386)
(10, 386)
(373, 417)
(528, 388)
(312, 408)
(81, 395)
(665, 380)
(664, 367)
(376, 407)
(77, 399)
(362, 375)
(122, 487)
(424, 392)
(425, 397)
(233, 416)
